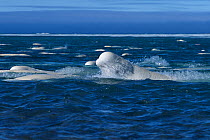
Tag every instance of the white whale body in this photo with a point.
(34, 74)
(113, 65)
(26, 69)
(40, 77)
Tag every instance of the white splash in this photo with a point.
(154, 60)
(70, 70)
(187, 75)
(9, 75)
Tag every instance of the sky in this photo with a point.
(104, 16)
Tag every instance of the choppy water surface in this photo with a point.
(90, 106)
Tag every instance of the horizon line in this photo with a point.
(114, 34)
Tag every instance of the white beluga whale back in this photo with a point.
(34, 74)
(112, 65)
(40, 77)
(26, 69)
(20, 68)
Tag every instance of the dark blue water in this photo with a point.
(88, 106)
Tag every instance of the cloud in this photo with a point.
(50, 7)
(109, 5)
(139, 2)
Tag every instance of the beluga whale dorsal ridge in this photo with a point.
(112, 65)
(19, 68)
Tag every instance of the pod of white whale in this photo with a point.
(110, 64)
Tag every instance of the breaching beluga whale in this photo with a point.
(113, 65)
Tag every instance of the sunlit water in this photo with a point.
(88, 105)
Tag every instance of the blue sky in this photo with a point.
(100, 16)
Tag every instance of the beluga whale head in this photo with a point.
(112, 65)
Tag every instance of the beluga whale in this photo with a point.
(26, 69)
(115, 66)
(34, 74)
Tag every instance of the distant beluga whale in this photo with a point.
(112, 65)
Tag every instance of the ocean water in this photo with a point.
(86, 105)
